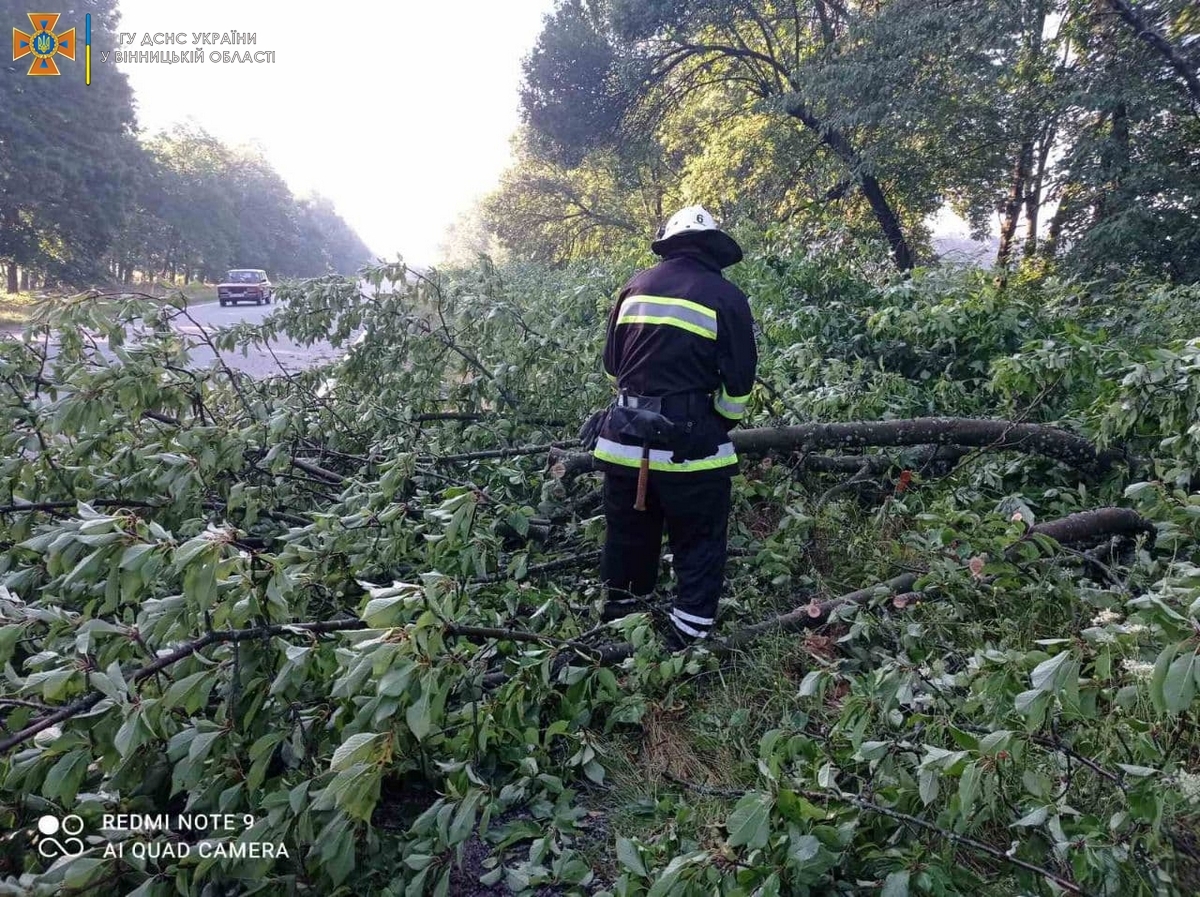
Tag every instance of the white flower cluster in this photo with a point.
(1138, 669)
(1105, 617)
(1188, 784)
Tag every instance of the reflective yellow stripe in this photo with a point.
(682, 313)
(730, 407)
(682, 303)
(631, 456)
(674, 322)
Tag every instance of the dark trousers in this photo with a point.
(696, 516)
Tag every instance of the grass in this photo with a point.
(16, 308)
(196, 293)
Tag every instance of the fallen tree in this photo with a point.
(984, 434)
(1082, 527)
(170, 535)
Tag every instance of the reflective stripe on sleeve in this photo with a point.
(660, 459)
(690, 316)
(731, 407)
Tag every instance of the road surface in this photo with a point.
(258, 362)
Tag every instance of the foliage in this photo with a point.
(203, 208)
(309, 600)
(84, 200)
(55, 135)
(1061, 122)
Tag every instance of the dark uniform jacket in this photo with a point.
(682, 332)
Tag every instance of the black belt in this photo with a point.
(680, 405)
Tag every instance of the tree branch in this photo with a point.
(999, 435)
(996, 853)
(171, 657)
(1143, 29)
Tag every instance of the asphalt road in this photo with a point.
(261, 363)
(283, 353)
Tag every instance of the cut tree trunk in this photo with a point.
(980, 433)
(1090, 527)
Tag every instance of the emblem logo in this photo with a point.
(44, 44)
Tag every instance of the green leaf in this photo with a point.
(873, 750)
(380, 613)
(63, 780)
(927, 785)
(630, 857)
(190, 692)
(1179, 686)
(896, 884)
(355, 749)
(201, 745)
(995, 741)
(1048, 675)
(749, 823)
(132, 557)
(804, 848)
(968, 788)
(1033, 818)
(418, 714)
(1159, 677)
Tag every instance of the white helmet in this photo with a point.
(695, 224)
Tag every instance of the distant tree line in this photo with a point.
(84, 199)
(1069, 129)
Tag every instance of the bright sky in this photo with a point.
(400, 111)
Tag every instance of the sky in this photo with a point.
(400, 111)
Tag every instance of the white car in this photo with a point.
(245, 285)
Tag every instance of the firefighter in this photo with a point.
(680, 350)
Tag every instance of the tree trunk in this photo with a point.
(826, 25)
(984, 433)
(885, 215)
(25, 280)
(1114, 162)
(1033, 196)
(13, 286)
(889, 223)
(1012, 205)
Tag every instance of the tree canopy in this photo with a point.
(86, 199)
(1071, 121)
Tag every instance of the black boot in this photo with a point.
(617, 608)
(674, 640)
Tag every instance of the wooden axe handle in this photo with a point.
(643, 478)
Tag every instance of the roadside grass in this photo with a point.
(17, 308)
(673, 782)
(195, 293)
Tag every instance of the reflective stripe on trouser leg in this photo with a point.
(632, 539)
(687, 628)
(697, 516)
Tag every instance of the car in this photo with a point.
(245, 285)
